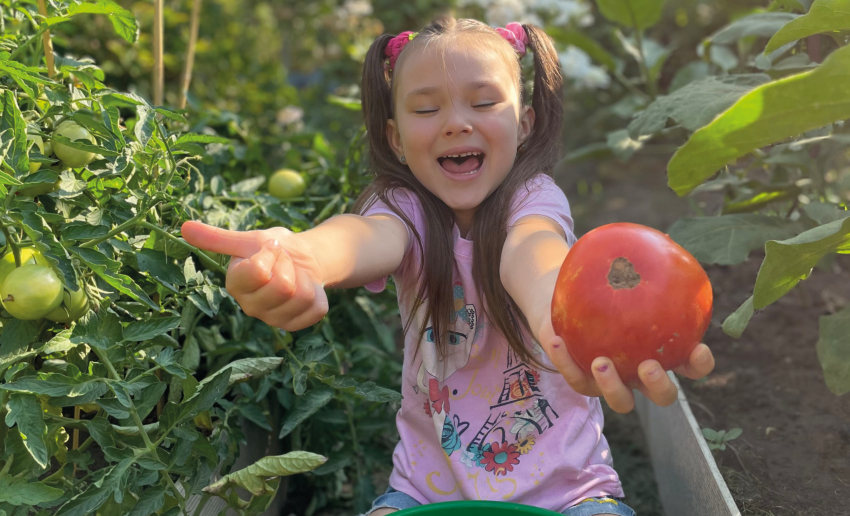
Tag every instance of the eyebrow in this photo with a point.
(430, 90)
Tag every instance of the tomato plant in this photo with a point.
(73, 157)
(630, 293)
(74, 305)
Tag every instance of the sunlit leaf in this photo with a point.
(823, 16)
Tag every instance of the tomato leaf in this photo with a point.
(122, 20)
(150, 502)
(366, 390)
(17, 491)
(305, 406)
(769, 113)
(209, 391)
(138, 331)
(103, 267)
(833, 351)
(25, 411)
(12, 120)
(97, 493)
(253, 478)
(789, 261)
(823, 16)
(637, 14)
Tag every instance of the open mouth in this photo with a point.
(463, 164)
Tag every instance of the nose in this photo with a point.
(456, 123)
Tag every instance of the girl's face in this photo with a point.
(452, 103)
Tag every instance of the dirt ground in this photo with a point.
(793, 457)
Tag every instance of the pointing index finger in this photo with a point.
(242, 244)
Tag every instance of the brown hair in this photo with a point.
(489, 223)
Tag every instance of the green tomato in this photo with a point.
(74, 305)
(31, 291)
(39, 189)
(48, 148)
(29, 256)
(73, 158)
(40, 144)
(285, 184)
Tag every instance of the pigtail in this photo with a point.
(545, 142)
(376, 102)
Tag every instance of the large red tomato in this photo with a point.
(630, 293)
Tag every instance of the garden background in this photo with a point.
(719, 122)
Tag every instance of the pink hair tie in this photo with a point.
(516, 36)
(394, 48)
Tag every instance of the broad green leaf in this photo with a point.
(78, 230)
(824, 213)
(253, 478)
(21, 72)
(146, 125)
(122, 20)
(100, 329)
(17, 491)
(733, 433)
(87, 502)
(823, 16)
(84, 145)
(366, 390)
(834, 351)
(771, 112)
(696, 104)
(54, 385)
(15, 341)
(584, 42)
(102, 266)
(789, 261)
(636, 14)
(306, 406)
(759, 24)
(25, 411)
(138, 331)
(209, 391)
(729, 239)
(737, 322)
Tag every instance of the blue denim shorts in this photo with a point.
(393, 499)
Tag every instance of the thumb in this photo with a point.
(242, 244)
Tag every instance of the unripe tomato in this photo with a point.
(31, 292)
(74, 305)
(285, 184)
(630, 293)
(73, 158)
(34, 165)
(29, 255)
(39, 189)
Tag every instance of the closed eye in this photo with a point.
(434, 110)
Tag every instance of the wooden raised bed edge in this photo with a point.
(689, 482)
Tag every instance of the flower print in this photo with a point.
(450, 440)
(523, 446)
(480, 454)
(522, 428)
(469, 458)
(439, 398)
(501, 458)
(428, 408)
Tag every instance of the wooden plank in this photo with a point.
(689, 482)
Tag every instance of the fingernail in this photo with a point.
(602, 368)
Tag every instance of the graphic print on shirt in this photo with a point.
(516, 419)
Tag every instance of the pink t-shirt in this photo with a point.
(481, 424)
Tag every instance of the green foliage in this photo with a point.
(637, 14)
(717, 440)
(833, 352)
(823, 16)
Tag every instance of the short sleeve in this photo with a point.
(541, 196)
(407, 202)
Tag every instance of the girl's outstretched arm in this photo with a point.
(531, 259)
(280, 277)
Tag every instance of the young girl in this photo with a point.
(464, 215)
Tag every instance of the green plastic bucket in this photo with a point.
(475, 509)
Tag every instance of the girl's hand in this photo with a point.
(605, 381)
(273, 275)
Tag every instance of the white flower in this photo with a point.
(564, 11)
(502, 12)
(576, 65)
(595, 78)
(359, 8)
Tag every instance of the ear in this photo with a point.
(394, 138)
(526, 124)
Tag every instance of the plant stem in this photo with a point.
(120, 229)
(201, 503)
(48, 44)
(650, 84)
(157, 53)
(205, 259)
(16, 252)
(26, 44)
(190, 52)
